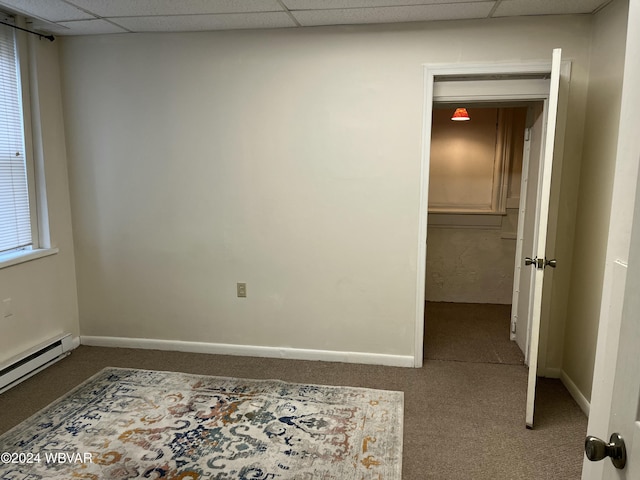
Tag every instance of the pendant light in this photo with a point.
(460, 115)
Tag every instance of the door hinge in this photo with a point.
(514, 325)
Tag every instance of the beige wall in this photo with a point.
(469, 265)
(462, 161)
(466, 262)
(596, 180)
(43, 291)
(287, 159)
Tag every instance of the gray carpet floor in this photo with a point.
(470, 332)
(464, 420)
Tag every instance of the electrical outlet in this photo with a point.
(241, 289)
(7, 311)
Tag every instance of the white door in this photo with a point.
(538, 254)
(615, 401)
(624, 416)
(523, 275)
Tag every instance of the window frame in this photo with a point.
(497, 205)
(40, 240)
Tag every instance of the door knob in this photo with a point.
(536, 262)
(540, 263)
(597, 449)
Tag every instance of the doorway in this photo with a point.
(484, 83)
(522, 82)
(474, 200)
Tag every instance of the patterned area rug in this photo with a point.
(124, 424)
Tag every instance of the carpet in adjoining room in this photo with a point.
(470, 332)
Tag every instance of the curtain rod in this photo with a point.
(51, 38)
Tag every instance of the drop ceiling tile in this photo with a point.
(509, 8)
(192, 23)
(90, 27)
(47, 27)
(331, 4)
(416, 13)
(51, 10)
(147, 8)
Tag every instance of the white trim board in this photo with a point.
(250, 350)
(489, 90)
(571, 387)
(575, 392)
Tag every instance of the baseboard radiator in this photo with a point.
(34, 360)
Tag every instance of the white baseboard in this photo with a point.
(75, 343)
(577, 395)
(575, 392)
(250, 351)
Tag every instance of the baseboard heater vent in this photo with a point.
(27, 364)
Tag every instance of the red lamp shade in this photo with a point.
(460, 115)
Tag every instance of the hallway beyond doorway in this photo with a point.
(469, 332)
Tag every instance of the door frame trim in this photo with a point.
(431, 71)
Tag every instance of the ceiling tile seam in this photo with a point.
(89, 12)
(523, 15)
(118, 25)
(66, 25)
(495, 7)
(96, 17)
(183, 15)
(104, 19)
(603, 5)
(374, 7)
(70, 2)
(286, 9)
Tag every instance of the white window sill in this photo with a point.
(14, 258)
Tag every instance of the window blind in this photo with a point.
(15, 219)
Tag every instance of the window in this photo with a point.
(15, 212)
(471, 162)
(475, 166)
